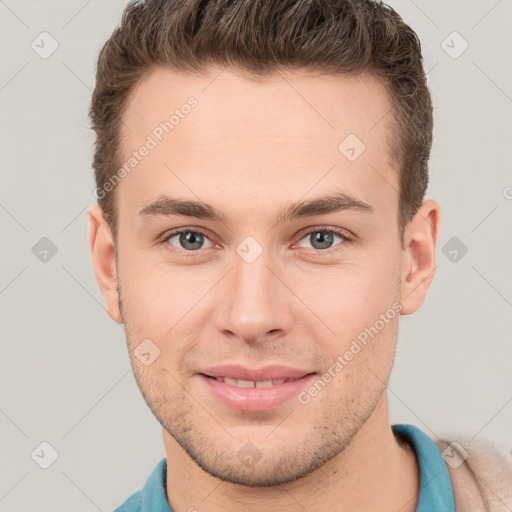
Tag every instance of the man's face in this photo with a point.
(252, 149)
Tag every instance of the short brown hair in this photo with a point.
(262, 37)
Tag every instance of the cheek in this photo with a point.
(150, 296)
(162, 303)
(350, 298)
(360, 364)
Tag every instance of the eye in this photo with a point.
(323, 238)
(192, 240)
(187, 239)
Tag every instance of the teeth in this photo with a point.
(267, 383)
(239, 383)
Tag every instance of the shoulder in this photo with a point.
(152, 497)
(481, 473)
(132, 504)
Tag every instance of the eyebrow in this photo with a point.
(336, 202)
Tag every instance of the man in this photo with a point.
(261, 225)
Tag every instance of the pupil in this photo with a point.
(323, 238)
(191, 238)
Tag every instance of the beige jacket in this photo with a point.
(483, 482)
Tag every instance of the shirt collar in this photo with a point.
(436, 491)
(154, 497)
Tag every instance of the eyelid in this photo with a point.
(344, 233)
(185, 229)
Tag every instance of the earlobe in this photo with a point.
(419, 256)
(101, 245)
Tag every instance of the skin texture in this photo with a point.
(250, 148)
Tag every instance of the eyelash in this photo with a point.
(324, 229)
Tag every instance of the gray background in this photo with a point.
(64, 370)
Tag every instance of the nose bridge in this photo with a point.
(255, 302)
(252, 281)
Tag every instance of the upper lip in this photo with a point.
(272, 372)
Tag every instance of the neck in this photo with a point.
(375, 472)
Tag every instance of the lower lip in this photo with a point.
(256, 399)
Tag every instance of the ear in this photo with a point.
(419, 256)
(101, 244)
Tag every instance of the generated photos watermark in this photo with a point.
(152, 140)
(342, 360)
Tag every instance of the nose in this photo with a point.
(255, 304)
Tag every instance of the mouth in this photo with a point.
(254, 390)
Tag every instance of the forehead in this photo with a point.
(290, 130)
(300, 103)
